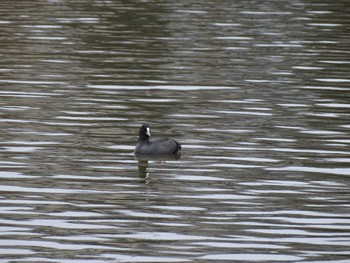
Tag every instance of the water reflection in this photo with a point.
(143, 163)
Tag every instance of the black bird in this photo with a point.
(155, 147)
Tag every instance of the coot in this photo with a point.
(155, 147)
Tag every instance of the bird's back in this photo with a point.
(158, 146)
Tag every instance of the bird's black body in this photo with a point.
(155, 147)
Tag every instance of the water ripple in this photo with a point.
(256, 95)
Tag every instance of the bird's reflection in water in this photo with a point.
(143, 163)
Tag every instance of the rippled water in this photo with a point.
(257, 92)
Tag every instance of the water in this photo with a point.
(257, 93)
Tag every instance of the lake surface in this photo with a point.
(257, 92)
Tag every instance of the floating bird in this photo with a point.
(155, 147)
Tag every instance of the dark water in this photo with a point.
(257, 92)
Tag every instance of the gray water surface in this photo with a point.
(257, 93)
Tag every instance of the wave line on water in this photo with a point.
(161, 87)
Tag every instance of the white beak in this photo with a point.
(148, 132)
